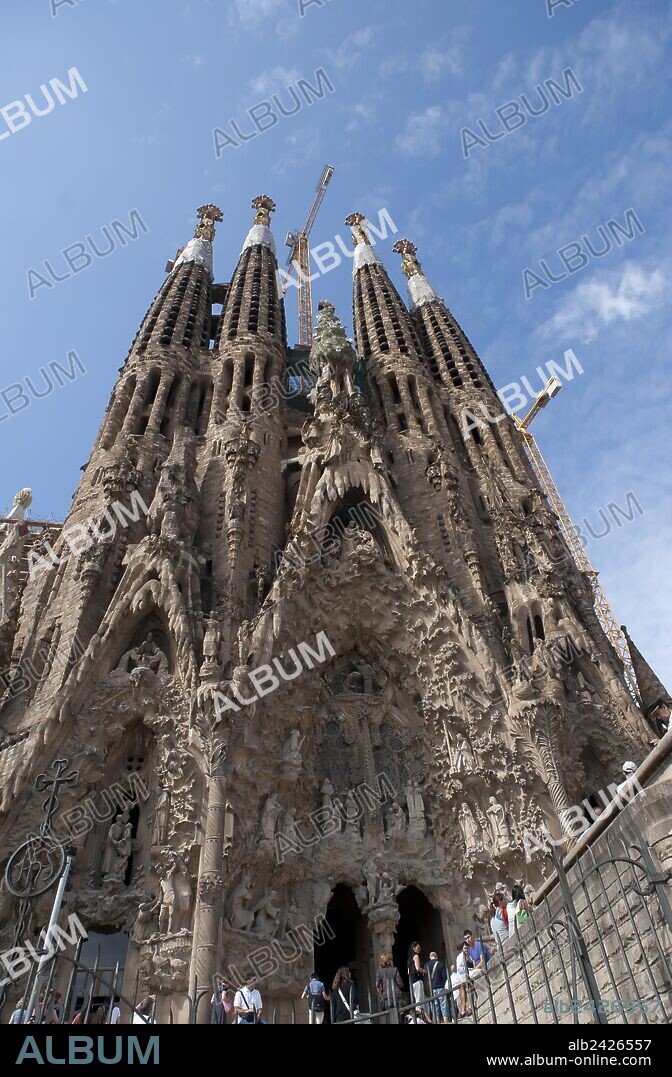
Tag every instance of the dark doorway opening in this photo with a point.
(349, 943)
(419, 922)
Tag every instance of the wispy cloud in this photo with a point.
(350, 51)
(252, 12)
(273, 80)
(421, 136)
(602, 300)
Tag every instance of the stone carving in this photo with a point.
(462, 757)
(498, 826)
(119, 844)
(269, 817)
(416, 808)
(291, 751)
(327, 794)
(471, 831)
(242, 916)
(146, 655)
(266, 915)
(176, 893)
(396, 820)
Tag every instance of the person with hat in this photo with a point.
(629, 769)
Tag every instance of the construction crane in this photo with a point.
(300, 255)
(602, 608)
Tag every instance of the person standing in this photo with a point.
(247, 1004)
(463, 967)
(416, 973)
(515, 908)
(343, 996)
(499, 921)
(316, 994)
(436, 979)
(389, 983)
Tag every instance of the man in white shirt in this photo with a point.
(247, 1004)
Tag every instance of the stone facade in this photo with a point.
(466, 679)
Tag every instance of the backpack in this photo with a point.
(315, 1000)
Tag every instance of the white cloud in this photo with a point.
(252, 12)
(274, 80)
(434, 63)
(350, 51)
(600, 301)
(422, 133)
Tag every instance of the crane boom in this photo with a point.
(300, 254)
(602, 608)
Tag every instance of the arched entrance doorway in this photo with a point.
(419, 922)
(347, 942)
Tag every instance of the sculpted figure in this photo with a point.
(416, 806)
(291, 752)
(269, 817)
(242, 917)
(120, 842)
(147, 656)
(471, 831)
(266, 915)
(463, 757)
(175, 895)
(396, 820)
(499, 826)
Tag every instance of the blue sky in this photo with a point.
(407, 78)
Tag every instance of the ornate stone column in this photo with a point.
(209, 896)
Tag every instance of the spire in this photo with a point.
(651, 690)
(364, 252)
(419, 289)
(260, 232)
(199, 248)
(254, 299)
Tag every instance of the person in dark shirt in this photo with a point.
(436, 980)
(343, 996)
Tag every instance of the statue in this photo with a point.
(266, 914)
(291, 751)
(119, 843)
(269, 817)
(386, 890)
(416, 808)
(146, 656)
(327, 794)
(175, 895)
(289, 825)
(396, 820)
(471, 831)
(462, 756)
(352, 811)
(146, 911)
(242, 917)
(161, 817)
(211, 644)
(499, 826)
